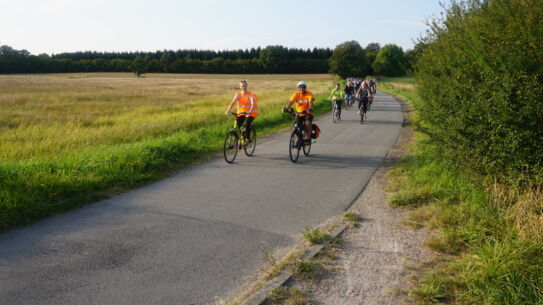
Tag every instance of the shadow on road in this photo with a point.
(317, 161)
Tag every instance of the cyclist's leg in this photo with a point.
(300, 122)
(249, 120)
(365, 104)
(308, 122)
(240, 118)
(338, 107)
(359, 105)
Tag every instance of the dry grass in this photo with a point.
(525, 211)
(52, 114)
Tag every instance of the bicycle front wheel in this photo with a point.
(250, 144)
(294, 146)
(307, 148)
(230, 148)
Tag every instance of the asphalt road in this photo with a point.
(198, 234)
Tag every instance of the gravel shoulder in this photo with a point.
(371, 264)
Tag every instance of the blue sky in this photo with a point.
(54, 26)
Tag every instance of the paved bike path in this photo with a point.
(198, 234)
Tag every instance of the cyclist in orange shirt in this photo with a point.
(304, 104)
(247, 107)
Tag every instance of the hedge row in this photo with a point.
(482, 80)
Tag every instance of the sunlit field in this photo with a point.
(67, 138)
(59, 114)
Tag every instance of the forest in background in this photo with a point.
(271, 59)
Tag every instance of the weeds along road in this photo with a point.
(198, 234)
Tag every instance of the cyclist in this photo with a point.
(304, 103)
(372, 90)
(247, 107)
(362, 95)
(348, 93)
(336, 96)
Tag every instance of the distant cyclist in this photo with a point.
(372, 90)
(247, 107)
(348, 93)
(304, 104)
(336, 96)
(362, 96)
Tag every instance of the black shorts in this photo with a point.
(300, 120)
(363, 102)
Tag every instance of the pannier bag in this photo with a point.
(315, 131)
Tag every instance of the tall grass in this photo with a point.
(490, 234)
(69, 141)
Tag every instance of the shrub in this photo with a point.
(481, 77)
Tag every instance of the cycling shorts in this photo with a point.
(363, 102)
(300, 120)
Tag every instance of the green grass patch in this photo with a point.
(315, 235)
(288, 296)
(352, 218)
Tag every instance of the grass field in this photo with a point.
(68, 139)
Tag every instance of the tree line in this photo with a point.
(389, 60)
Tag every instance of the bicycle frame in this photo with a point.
(239, 129)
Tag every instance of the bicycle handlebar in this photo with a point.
(296, 113)
(235, 113)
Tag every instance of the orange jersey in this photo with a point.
(302, 100)
(244, 105)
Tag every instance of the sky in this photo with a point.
(56, 26)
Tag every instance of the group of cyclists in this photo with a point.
(247, 108)
(355, 90)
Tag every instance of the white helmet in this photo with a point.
(302, 83)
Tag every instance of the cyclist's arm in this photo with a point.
(252, 100)
(234, 100)
(311, 104)
(290, 104)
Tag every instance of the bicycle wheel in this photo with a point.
(250, 144)
(294, 146)
(230, 148)
(334, 113)
(307, 148)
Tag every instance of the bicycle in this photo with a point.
(296, 142)
(336, 115)
(234, 141)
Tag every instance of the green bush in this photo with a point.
(482, 80)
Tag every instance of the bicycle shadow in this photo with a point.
(315, 161)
